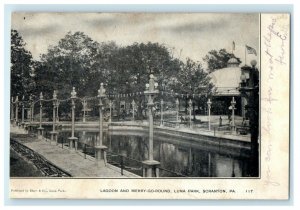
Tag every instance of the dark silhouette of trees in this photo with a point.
(218, 59)
(22, 71)
(80, 62)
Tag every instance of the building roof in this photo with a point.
(233, 60)
(226, 81)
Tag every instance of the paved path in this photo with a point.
(70, 161)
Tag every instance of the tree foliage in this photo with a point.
(218, 59)
(191, 80)
(69, 64)
(133, 65)
(21, 67)
(80, 62)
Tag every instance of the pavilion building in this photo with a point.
(227, 83)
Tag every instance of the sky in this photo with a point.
(190, 35)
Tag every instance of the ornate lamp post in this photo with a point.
(148, 165)
(40, 128)
(22, 103)
(233, 102)
(133, 109)
(30, 126)
(177, 112)
(53, 132)
(99, 147)
(17, 110)
(57, 116)
(12, 111)
(84, 109)
(31, 108)
(209, 107)
(110, 108)
(190, 112)
(161, 112)
(249, 88)
(73, 140)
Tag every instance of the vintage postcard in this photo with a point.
(149, 105)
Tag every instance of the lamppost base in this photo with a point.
(40, 132)
(30, 128)
(22, 124)
(53, 136)
(73, 142)
(150, 168)
(100, 152)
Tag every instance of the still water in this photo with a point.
(177, 158)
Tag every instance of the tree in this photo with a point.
(134, 64)
(218, 59)
(73, 62)
(131, 66)
(22, 73)
(68, 64)
(191, 80)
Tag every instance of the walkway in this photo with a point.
(70, 161)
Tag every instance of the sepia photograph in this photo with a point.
(144, 105)
(134, 95)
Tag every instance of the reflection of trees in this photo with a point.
(169, 158)
(185, 160)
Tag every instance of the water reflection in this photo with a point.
(177, 158)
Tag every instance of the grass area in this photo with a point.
(19, 167)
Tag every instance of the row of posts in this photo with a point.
(73, 97)
(54, 135)
(150, 166)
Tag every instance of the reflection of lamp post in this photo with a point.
(40, 128)
(209, 107)
(17, 110)
(100, 148)
(161, 112)
(73, 139)
(12, 110)
(209, 164)
(190, 112)
(177, 112)
(53, 132)
(233, 107)
(151, 92)
(133, 109)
